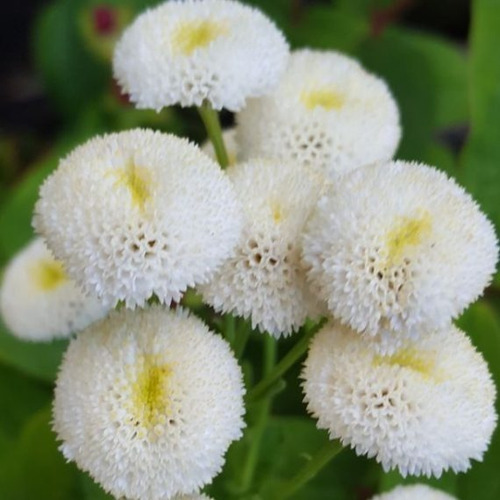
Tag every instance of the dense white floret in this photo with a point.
(138, 213)
(232, 148)
(147, 402)
(397, 249)
(265, 280)
(327, 111)
(187, 52)
(414, 492)
(427, 408)
(39, 302)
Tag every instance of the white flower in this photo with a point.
(414, 492)
(232, 148)
(327, 111)
(188, 52)
(265, 280)
(148, 402)
(427, 408)
(138, 213)
(39, 302)
(397, 249)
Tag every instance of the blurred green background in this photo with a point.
(442, 61)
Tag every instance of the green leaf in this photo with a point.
(91, 490)
(288, 443)
(482, 322)
(34, 468)
(481, 159)
(16, 211)
(21, 396)
(322, 27)
(435, 99)
(447, 482)
(71, 75)
(39, 359)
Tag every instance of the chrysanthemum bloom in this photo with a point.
(138, 213)
(327, 111)
(414, 492)
(39, 302)
(427, 408)
(397, 249)
(188, 52)
(265, 280)
(147, 402)
(232, 148)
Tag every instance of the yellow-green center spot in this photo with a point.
(196, 34)
(277, 212)
(323, 98)
(48, 274)
(150, 392)
(412, 359)
(407, 232)
(135, 179)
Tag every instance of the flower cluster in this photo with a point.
(311, 218)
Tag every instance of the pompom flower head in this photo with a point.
(327, 111)
(39, 302)
(427, 408)
(414, 492)
(265, 279)
(188, 52)
(148, 402)
(397, 249)
(138, 213)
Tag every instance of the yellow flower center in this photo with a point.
(324, 98)
(408, 232)
(135, 179)
(48, 274)
(422, 363)
(196, 34)
(150, 398)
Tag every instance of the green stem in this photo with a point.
(269, 354)
(262, 412)
(241, 339)
(211, 121)
(229, 328)
(286, 362)
(317, 462)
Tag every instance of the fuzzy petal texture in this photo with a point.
(414, 492)
(327, 112)
(139, 213)
(425, 409)
(39, 302)
(265, 280)
(148, 402)
(188, 52)
(397, 249)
